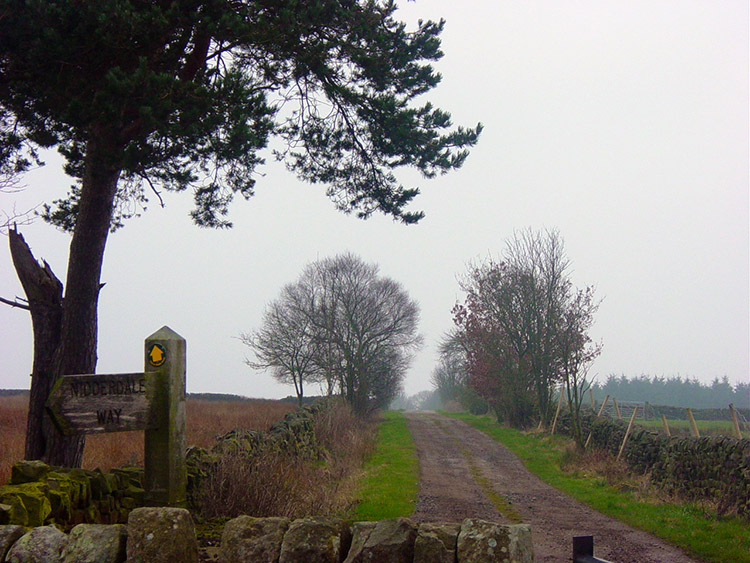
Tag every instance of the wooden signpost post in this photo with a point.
(153, 401)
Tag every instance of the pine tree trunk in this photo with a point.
(44, 295)
(66, 344)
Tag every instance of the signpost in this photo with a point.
(153, 401)
(82, 404)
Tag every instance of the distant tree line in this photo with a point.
(13, 392)
(343, 327)
(218, 397)
(674, 391)
(427, 400)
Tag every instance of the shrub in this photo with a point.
(280, 482)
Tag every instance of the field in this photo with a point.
(205, 421)
(705, 427)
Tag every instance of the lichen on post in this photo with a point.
(165, 469)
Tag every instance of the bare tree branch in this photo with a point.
(17, 303)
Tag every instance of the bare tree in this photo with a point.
(284, 343)
(344, 324)
(450, 375)
(542, 276)
(367, 325)
(526, 327)
(577, 352)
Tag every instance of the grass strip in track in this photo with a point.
(391, 482)
(720, 540)
(498, 501)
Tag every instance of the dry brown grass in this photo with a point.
(280, 485)
(12, 431)
(208, 419)
(205, 420)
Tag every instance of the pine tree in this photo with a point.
(141, 96)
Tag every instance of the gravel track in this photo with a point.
(462, 471)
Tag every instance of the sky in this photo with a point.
(622, 124)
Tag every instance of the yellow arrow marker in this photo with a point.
(157, 355)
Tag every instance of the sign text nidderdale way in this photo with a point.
(101, 403)
(153, 401)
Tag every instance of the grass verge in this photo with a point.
(690, 527)
(391, 481)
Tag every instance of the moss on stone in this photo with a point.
(28, 472)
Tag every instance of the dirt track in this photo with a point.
(459, 466)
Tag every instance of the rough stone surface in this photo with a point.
(28, 472)
(96, 543)
(40, 545)
(29, 503)
(12, 512)
(315, 541)
(360, 534)
(161, 535)
(252, 539)
(436, 542)
(480, 541)
(8, 536)
(387, 541)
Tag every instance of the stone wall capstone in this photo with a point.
(164, 534)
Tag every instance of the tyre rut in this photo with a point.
(462, 471)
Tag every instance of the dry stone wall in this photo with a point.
(716, 468)
(161, 535)
(38, 494)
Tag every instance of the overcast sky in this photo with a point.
(622, 124)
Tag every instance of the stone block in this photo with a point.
(161, 535)
(387, 541)
(436, 542)
(5, 515)
(480, 541)
(8, 536)
(100, 486)
(33, 498)
(60, 503)
(136, 493)
(96, 543)
(57, 481)
(82, 482)
(315, 541)
(28, 472)
(252, 539)
(360, 533)
(12, 511)
(40, 545)
(127, 476)
(92, 515)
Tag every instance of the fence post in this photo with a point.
(601, 410)
(557, 414)
(617, 408)
(693, 425)
(165, 472)
(591, 394)
(627, 432)
(666, 426)
(736, 422)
